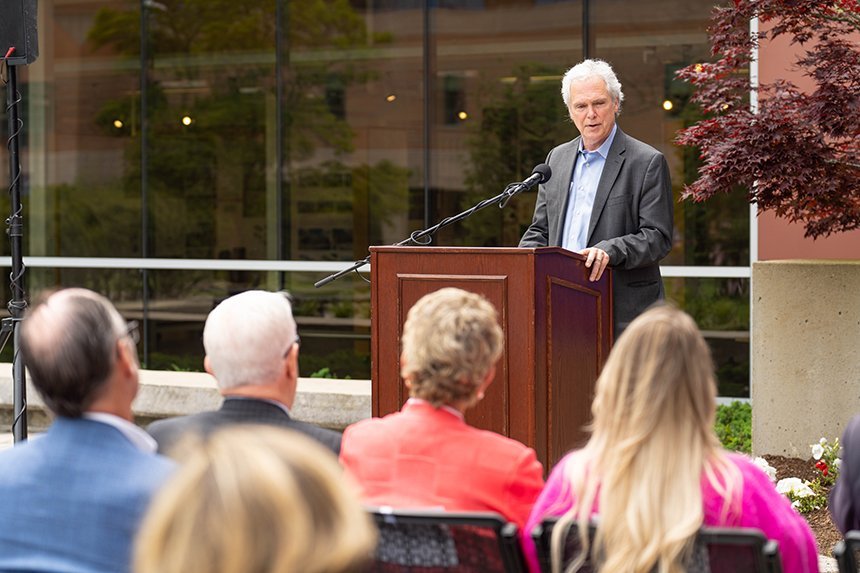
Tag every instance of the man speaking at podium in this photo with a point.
(611, 197)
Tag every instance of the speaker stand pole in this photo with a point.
(15, 229)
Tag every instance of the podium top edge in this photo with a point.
(475, 250)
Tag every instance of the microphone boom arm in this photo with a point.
(541, 174)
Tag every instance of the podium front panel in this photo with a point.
(557, 328)
(490, 412)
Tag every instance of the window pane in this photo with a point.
(82, 125)
(334, 323)
(353, 126)
(497, 110)
(210, 128)
(646, 43)
(721, 308)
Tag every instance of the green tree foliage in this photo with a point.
(521, 121)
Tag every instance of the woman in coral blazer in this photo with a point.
(426, 455)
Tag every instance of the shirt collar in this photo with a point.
(450, 409)
(139, 439)
(280, 405)
(603, 150)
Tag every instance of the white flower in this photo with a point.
(817, 451)
(838, 463)
(794, 488)
(822, 441)
(766, 468)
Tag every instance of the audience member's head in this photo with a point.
(658, 385)
(255, 499)
(652, 442)
(451, 342)
(80, 354)
(250, 340)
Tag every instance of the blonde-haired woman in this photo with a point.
(255, 499)
(653, 468)
(426, 455)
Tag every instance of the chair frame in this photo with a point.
(845, 552)
(506, 532)
(768, 562)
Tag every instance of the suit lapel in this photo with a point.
(614, 161)
(562, 194)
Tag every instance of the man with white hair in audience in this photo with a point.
(72, 499)
(252, 350)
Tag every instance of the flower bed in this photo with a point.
(807, 483)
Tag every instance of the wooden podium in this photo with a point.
(557, 325)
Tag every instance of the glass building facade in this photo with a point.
(177, 152)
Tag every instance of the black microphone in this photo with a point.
(540, 174)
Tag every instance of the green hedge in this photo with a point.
(734, 426)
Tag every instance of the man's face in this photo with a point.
(592, 110)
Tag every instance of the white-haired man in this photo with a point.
(252, 350)
(610, 198)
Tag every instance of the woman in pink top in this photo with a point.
(653, 468)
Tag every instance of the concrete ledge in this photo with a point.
(330, 403)
(805, 362)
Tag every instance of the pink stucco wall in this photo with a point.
(779, 239)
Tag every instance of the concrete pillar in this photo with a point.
(805, 353)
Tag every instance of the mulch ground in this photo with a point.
(822, 526)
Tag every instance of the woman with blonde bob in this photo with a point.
(426, 455)
(653, 469)
(255, 499)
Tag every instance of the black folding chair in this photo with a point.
(847, 553)
(445, 542)
(717, 549)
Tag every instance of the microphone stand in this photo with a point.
(425, 237)
(15, 229)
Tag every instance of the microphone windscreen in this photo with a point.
(544, 170)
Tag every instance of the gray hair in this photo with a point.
(247, 336)
(588, 69)
(68, 342)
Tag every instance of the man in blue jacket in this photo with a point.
(72, 499)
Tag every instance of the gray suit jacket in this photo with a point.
(237, 411)
(631, 220)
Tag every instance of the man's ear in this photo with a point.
(292, 362)
(207, 365)
(126, 357)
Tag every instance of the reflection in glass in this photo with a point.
(496, 75)
(83, 127)
(272, 130)
(646, 42)
(721, 309)
(334, 323)
(122, 286)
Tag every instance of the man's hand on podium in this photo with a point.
(597, 260)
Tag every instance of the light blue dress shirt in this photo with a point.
(583, 188)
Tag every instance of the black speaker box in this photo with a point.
(18, 29)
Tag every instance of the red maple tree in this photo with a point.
(799, 155)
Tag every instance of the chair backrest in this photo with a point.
(716, 550)
(847, 553)
(431, 541)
